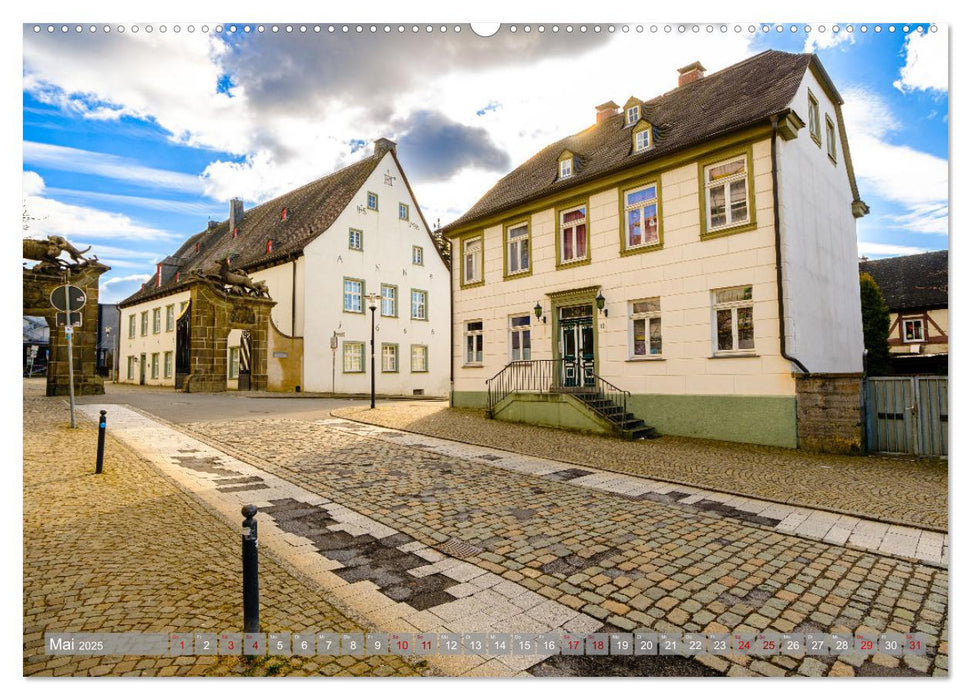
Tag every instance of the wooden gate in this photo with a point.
(907, 415)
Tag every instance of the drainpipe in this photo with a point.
(293, 299)
(778, 249)
(451, 329)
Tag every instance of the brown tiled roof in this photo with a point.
(311, 209)
(741, 95)
(911, 282)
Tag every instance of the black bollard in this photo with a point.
(102, 424)
(251, 572)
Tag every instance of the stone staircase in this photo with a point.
(627, 425)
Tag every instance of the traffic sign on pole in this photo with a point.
(67, 297)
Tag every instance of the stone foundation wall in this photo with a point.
(828, 412)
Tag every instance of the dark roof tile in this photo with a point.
(738, 96)
(312, 209)
(911, 282)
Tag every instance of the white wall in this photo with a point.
(386, 258)
(280, 280)
(821, 275)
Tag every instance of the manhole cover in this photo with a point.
(459, 549)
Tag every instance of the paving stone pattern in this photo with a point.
(925, 546)
(632, 564)
(127, 551)
(911, 492)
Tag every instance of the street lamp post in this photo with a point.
(372, 304)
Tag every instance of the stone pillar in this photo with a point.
(38, 286)
(829, 415)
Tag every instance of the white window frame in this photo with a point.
(167, 364)
(642, 206)
(830, 138)
(370, 196)
(633, 114)
(734, 307)
(917, 323)
(403, 209)
(566, 168)
(647, 317)
(131, 366)
(725, 184)
(389, 360)
(522, 331)
(514, 248)
(144, 323)
(422, 358)
(643, 140)
(419, 305)
(389, 299)
(351, 296)
(352, 357)
(473, 356)
(169, 318)
(132, 325)
(472, 260)
(157, 320)
(417, 255)
(352, 234)
(232, 371)
(814, 119)
(562, 228)
(154, 365)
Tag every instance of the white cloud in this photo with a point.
(52, 217)
(171, 206)
(926, 66)
(915, 180)
(297, 102)
(817, 40)
(888, 249)
(105, 283)
(76, 160)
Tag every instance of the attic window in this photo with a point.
(269, 244)
(197, 246)
(633, 114)
(284, 213)
(643, 138)
(236, 232)
(566, 168)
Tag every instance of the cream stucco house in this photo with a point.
(322, 250)
(688, 264)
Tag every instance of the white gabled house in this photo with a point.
(686, 265)
(321, 250)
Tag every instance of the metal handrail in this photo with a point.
(548, 376)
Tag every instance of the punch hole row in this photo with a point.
(512, 29)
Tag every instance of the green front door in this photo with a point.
(576, 345)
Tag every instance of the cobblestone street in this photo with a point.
(369, 528)
(897, 490)
(128, 551)
(629, 563)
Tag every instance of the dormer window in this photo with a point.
(566, 168)
(269, 246)
(643, 137)
(284, 213)
(235, 232)
(633, 114)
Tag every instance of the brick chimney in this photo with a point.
(235, 213)
(607, 109)
(690, 73)
(382, 146)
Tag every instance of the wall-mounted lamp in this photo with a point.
(601, 302)
(538, 310)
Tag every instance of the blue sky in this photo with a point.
(133, 140)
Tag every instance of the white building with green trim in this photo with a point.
(685, 266)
